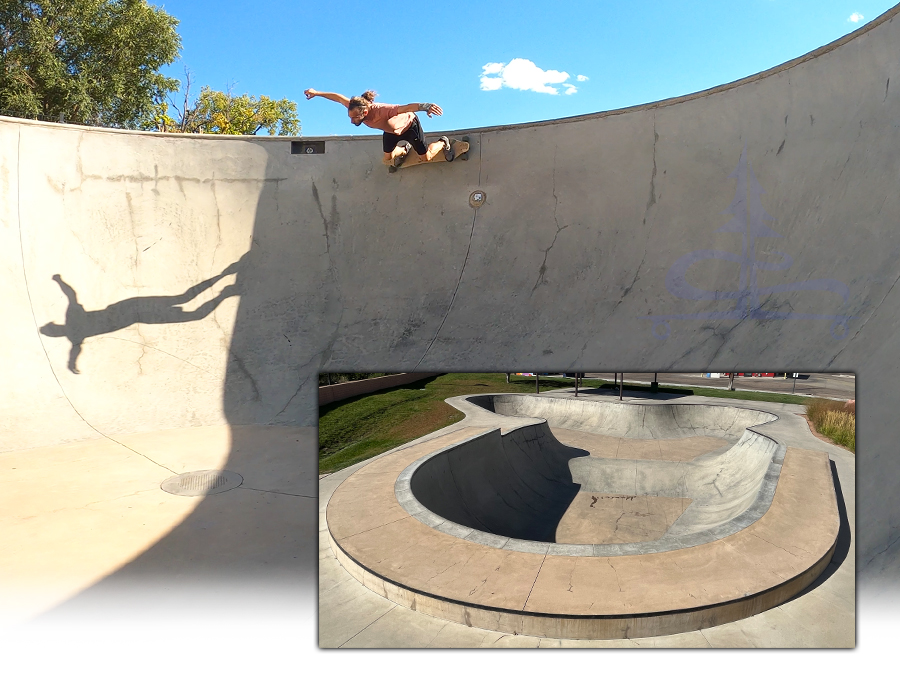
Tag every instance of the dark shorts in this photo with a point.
(413, 135)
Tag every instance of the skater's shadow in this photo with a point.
(81, 324)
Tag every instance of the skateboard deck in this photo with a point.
(460, 150)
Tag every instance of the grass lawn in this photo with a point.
(361, 427)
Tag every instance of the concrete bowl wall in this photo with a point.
(519, 484)
(651, 421)
(516, 485)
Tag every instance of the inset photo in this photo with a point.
(587, 509)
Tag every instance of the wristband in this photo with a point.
(425, 106)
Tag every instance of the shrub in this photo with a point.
(835, 421)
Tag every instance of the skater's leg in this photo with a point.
(433, 150)
(73, 355)
(389, 142)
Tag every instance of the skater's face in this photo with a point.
(357, 115)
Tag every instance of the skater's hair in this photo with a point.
(363, 101)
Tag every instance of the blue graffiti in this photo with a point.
(749, 219)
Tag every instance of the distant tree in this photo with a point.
(90, 61)
(223, 113)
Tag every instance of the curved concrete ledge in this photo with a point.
(424, 562)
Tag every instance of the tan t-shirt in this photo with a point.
(386, 117)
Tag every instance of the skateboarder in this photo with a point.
(400, 124)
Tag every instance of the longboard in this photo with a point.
(460, 153)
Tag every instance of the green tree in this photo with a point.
(223, 113)
(89, 61)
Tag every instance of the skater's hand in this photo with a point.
(310, 93)
(434, 110)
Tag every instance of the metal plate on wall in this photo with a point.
(307, 147)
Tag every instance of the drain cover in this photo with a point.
(201, 483)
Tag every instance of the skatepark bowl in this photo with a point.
(549, 516)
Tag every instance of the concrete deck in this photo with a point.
(88, 531)
(537, 589)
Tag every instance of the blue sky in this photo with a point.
(493, 63)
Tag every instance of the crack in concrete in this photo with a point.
(637, 274)
(152, 347)
(694, 348)
(445, 570)
(137, 253)
(616, 573)
(436, 635)
(455, 291)
(863, 325)
(218, 224)
(483, 582)
(350, 578)
(349, 536)
(270, 491)
(537, 574)
(775, 545)
(885, 549)
(143, 344)
(106, 501)
(333, 224)
(393, 605)
(652, 200)
(297, 391)
(240, 364)
(542, 271)
(332, 228)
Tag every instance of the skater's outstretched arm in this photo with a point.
(333, 96)
(68, 290)
(427, 107)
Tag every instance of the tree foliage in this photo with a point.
(90, 61)
(223, 113)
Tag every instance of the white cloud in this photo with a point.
(491, 83)
(523, 74)
(856, 17)
(581, 79)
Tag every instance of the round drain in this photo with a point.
(201, 483)
(477, 198)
